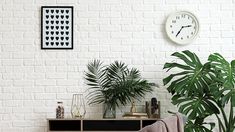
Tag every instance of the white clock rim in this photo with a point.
(183, 42)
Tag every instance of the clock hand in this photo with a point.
(182, 28)
(179, 31)
(187, 26)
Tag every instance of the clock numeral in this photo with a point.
(177, 17)
(182, 38)
(173, 21)
(192, 33)
(183, 15)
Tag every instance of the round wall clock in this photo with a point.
(182, 27)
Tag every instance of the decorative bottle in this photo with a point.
(60, 110)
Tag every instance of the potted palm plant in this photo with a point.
(202, 90)
(114, 85)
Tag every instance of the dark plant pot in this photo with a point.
(109, 111)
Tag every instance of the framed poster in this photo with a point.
(57, 27)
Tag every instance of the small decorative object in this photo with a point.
(135, 115)
(133, 112)
(152, 108)
(148, 108)
(60, 110)
(57, 27)
(78, 106)
(133, 108)
(182, 27)
(114, 84)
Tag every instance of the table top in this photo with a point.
(50, 119)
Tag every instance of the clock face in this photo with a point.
(182, 27)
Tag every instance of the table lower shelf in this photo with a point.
(86, 125)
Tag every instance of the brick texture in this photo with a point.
(33, 80)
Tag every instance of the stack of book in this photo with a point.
(135, 115)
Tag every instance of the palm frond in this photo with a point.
(114, 84)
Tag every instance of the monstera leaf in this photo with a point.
(192, 80)
(226, 93)
(195, 106)
(199, 127)
(226, 74)
(201, 90)
(191, 86)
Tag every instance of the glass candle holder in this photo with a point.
(78, 106)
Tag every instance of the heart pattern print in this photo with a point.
(57, 27)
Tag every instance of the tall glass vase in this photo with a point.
(78, 106)
(109, 111)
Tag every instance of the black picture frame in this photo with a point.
(45, 47)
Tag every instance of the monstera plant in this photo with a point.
(114, 85)
(201, 90)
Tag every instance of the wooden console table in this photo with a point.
(88, 125)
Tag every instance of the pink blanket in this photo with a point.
(170, 124)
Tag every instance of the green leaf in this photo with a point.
(184, 58)
(233, 99)
(195, 107)
(173, 65)
(194, 58)
(225, 71)
(174, 84)
(169, 78)
(194, 127)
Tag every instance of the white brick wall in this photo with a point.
(33, 80)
